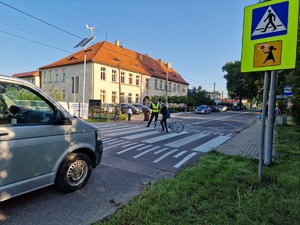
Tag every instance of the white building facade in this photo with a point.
(113, 75)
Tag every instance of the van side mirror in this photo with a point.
(61, 119)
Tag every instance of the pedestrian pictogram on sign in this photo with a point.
(267, 54)
(270, 21)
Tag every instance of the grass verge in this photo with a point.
(220, 189)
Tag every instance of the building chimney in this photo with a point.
(160, 62)
(141, 57)
(169, 65)
(118, 43)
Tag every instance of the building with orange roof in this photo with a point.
(112, 72)
(32, 76)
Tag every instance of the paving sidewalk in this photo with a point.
(246, 143)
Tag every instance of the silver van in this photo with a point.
(41, 143)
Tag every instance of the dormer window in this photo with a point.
(116, 59)
(72, 58)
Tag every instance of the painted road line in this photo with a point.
(118, 129)
(184, 160)
(122, 132)
(164, 136)
(161, 150)
(179, 154)
(128, 149)
(145, 152)
(117, 143)
(164, 156)
(133, 143)
(134, 136)
(211, 144)
(147, 146)
(185, 140)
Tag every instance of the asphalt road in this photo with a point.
(134, 157)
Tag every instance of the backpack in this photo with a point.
(168, 114)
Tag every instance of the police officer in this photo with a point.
(155, 110)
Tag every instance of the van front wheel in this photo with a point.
(74, 172)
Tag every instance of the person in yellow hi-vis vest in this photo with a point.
(155, 110)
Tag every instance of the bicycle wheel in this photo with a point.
(177, 126)
(157, 126)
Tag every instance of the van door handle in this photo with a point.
(2, 133)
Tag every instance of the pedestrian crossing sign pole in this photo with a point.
(270, 36)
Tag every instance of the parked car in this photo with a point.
(243, 107)
(41, 143)
(214, 108)
(125, 106)
(203, 109)
(144, 108)
(235, 108)
(222, 108)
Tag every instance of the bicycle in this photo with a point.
(177, 126)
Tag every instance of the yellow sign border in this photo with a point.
(289, 41)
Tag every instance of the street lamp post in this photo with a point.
(83, 43)
(167, 76)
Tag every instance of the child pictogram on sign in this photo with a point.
(270, 55)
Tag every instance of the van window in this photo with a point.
(20, 106)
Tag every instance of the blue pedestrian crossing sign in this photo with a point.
(270, 35)
(270, 21)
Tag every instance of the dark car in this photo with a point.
(235, 108)
(203, 109)
(144, 108)
(243, 107)
(125, 106)
(214, 108)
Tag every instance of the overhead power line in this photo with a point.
(40, 43)
(49, 24)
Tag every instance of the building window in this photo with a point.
(102, 95)
(129, 98)
(63, 79)
(155, 84)
(63, 91)
(122, 97)
(56, 77)
(75, 84)
(130, 79)
(50, 78)
(137, 80)
(184, 89)
(103, 72)
(45, 77)
(147, 83)
(137, 98)
(114, 76)
(178, 87)
(113, 96)
(170, 87)
(122, 77)
(174, 87)
(160, 85)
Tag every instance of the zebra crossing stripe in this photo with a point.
(159, 151)
(180, 154)
(130, 137)
(145, 152)
(126, 131)
(164, 137)
(128, 149)
(117, 143)
(211, 144)
(164, 156)
(110, 130)
(179, 164)
(185, 140)
(129, 144)
(147, 146)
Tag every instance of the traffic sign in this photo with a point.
(270, 36)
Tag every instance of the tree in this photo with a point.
(242, 85)
(199, 96)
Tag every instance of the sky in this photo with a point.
(198, 37)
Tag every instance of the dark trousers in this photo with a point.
(163, 123)
(129, 116)
(151, 118)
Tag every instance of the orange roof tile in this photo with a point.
(110, 54)
(27, 74)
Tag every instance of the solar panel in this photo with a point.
(84, 42)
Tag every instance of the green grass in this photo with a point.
(220, 189)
